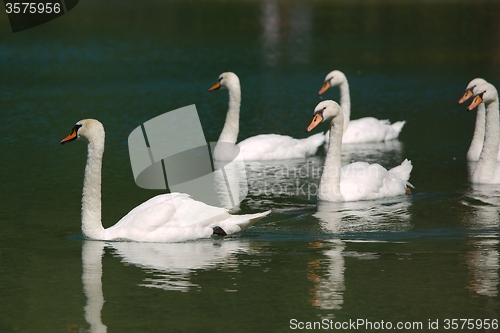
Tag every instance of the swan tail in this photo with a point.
(241, 222)
(308, 146)
(403, 171)
(252, 218)
(316, 139)
(395, 130)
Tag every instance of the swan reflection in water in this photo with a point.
(388, 214)
(286, 20)
(386, 153)
(230, 184)
(171, 264)
(92, 252)
(327, 274)
(483, 260)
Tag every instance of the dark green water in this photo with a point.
(432, 255)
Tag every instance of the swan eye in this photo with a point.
(73, 135)
(478, 99)
(320, 112)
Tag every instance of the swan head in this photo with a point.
(468, 91)
(325, 110)
(226, 80)
(485, 93)
(334, 78)
(86, 129)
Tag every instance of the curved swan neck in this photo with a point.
(232, 125)
(345, 102)
(476, 144)
(91, 196)
(485, 168)
(329, 185)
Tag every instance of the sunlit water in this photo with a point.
(432, 255)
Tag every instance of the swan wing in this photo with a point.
(168, 217)
(370, 129)
(277, 147)
(176, 217)
(237, 223)
(363, 181)
(360, 180)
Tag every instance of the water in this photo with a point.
(429, 256)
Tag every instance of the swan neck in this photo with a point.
(476, 144)
(91, 196)
(329, 185)
(231, 126)
(485, 168)
(345, 102)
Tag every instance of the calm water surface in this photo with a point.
(432, 255)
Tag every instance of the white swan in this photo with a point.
(366, 129)
(359, 180)
(476, 144)
(263, 146)
(170, 217)
(487, 170)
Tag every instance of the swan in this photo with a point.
(366, 129)
(359, 180)
(476, 144)
(487, 170)
(263, 146)
(172, 217)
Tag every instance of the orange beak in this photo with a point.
(475, 102)
(317, 119)
(466, 96)
(70, 137)
(324, 88)
(215, 86)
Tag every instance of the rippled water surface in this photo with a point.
(426, 257)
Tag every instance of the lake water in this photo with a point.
(423, 259)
